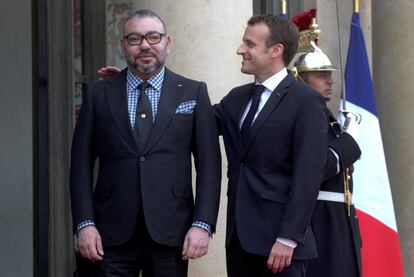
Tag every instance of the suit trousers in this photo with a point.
(142, 253)
(243, 264)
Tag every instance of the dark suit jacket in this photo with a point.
(274, 182)
(157, 177)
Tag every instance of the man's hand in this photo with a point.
(107, 71)
(195, 243)
(90, 244)
(280, 257)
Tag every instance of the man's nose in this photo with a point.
(241, 49)
(144, 44)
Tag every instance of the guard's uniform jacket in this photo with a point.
(334, 223)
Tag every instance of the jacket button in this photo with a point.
(142, 158)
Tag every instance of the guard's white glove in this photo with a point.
(349, 122)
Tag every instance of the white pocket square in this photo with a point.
(186, 107)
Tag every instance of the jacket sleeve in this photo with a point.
(309, 146)
(207, 160)
(346, 148)
(348, 153)
(83, 156)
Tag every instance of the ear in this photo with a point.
(276, 50)
(122, 47)
(169, 44)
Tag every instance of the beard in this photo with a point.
(146, 69)
(133, 61)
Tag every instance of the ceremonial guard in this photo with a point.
(334, 221)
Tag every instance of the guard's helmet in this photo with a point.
(313, 61)
(309, 56)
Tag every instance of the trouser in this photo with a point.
(142, 253)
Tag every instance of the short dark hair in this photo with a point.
(146, 13)
(281, 31)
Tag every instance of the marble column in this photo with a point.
(393, 82)
(205, 37)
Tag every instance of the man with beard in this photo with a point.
(143, 125)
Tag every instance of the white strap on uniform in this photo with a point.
(331, 196)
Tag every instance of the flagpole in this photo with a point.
(343, 94)
(356, 6)
(284, 7)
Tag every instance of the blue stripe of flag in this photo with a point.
(358, 83)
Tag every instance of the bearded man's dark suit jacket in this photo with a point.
(273, 182)
(156, 177)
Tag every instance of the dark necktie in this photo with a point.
(143, 117)
(247, 123)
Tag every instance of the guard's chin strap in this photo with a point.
(296, 74)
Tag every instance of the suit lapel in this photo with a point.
(118, 104)
(170, 96)
(240, 106)
(271, 104)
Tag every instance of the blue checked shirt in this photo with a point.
(153, 92)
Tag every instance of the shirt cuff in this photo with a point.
(84, 224)
(203, 225)
(338, 167)
(288, 242)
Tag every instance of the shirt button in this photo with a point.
(142, 158)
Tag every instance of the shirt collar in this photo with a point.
(272, 82)
(155, 81)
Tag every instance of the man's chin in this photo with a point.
(245, 70)
(146, 69)
(328, 97)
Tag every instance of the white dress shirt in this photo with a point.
(270, 84)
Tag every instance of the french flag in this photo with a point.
(381, 256)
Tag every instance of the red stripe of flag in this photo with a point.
(381, 256)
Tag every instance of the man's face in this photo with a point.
(145, 59)
(322, 82)
(255, 53)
